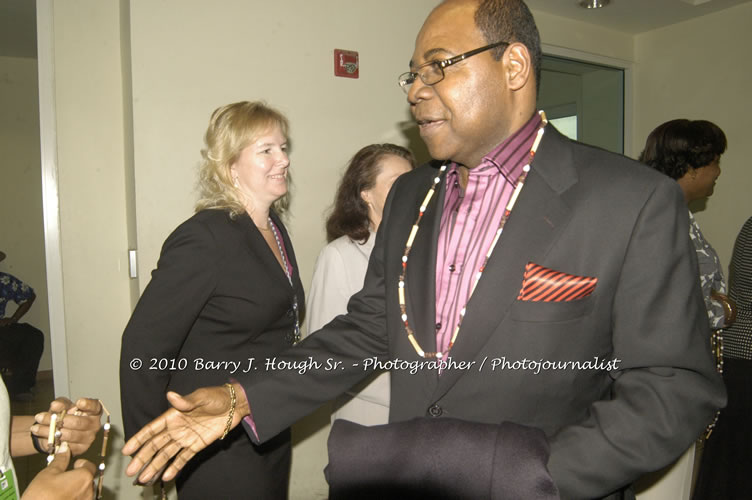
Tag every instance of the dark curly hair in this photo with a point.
(350, 213)
(675, 146)
(510, 21)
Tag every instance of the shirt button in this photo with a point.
(438, 326)
(451, 268)
(435, 411)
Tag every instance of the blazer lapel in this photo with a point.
(297, 287)
(261, 252)
(421, 275)
(536, 221)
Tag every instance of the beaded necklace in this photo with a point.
(296, 332)
(402, 285)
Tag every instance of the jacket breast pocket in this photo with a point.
(549, 312)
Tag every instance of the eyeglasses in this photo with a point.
(432, 72)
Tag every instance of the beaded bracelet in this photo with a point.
(230, 416)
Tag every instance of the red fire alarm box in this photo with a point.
(346, 63)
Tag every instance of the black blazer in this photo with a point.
(583, 212)
(217, 298)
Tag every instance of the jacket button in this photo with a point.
(290, 313)
(289, 337)
(435, 411)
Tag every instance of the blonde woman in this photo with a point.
(226, 289)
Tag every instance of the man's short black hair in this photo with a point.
(510, 21)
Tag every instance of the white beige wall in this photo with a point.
(557, 32)
(700, 69)
(21, 234)
(189, 57)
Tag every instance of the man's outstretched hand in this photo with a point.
(193, 423)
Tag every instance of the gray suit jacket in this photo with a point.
(583, 212)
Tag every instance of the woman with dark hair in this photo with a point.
(226, 289)
(341, 265)
(689, 151)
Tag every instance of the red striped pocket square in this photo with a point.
(540, 284)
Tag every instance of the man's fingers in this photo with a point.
(179, 402)
(82, 463)
(180, 460)
(157, 464)
(146, 452)
(146, 433)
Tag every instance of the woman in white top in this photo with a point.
(341, 265)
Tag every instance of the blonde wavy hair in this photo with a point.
(231, 128)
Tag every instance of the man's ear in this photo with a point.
(519, 66)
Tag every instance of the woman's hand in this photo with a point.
(56, 483)
(79, 426)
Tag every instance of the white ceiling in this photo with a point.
(18, 24)
(634, 16)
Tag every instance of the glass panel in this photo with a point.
(567, 125)
(593, 94)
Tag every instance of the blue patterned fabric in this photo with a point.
(13, 289)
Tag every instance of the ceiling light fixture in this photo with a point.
(593, 4)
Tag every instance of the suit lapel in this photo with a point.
(536, 221)
(421, 274)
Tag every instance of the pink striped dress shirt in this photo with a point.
(469, 222)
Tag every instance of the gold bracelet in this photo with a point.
(230, 416)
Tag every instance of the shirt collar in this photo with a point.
(510, 155)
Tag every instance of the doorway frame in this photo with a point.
(50, 195)
(626, 66)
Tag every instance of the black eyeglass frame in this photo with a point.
(405, 80)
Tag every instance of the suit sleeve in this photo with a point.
(329, 291)
(338, 350)
(180, 287)
(666, 389)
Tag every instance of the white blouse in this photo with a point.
(339, 273)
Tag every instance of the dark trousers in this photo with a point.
(727, 458)
(21, 347)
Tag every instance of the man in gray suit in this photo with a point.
(584, 318)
